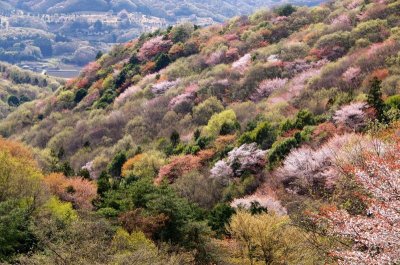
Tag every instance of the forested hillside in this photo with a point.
(268, 139)
(18, 86)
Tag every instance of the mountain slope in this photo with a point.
(316, 58)
(268, 139)
(18, 86)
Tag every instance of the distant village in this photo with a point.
(102, 30)
(144, 23)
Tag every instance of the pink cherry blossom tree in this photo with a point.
(244, 158)
(351, 116)
(376, 234)
(153, 47)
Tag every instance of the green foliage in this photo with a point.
(62, 211)
(229, 128)
(281, 148)
(203, 112)
(183, 226)
(264, 135)
(174, 138)
(214, 126)
(66, 99)
(107, 98)
(13, 101)
(393, 101)
(245, 186)
(373, 30)
(375, 100)
(285, 10)
(303, 118)
(103, 183)
(15, 234)
(162, 60)
(115, 167)
(99, 53)
(182, 32)
(144, 165)
(80, 94)
(219, 217)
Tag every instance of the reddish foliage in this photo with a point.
(324, 131)
(177, 167)
(153, 47)
(206, 155)
(330, 53)
(135, 221)
(82, 83)
(380, 73)
(80, 192)
(71, 82)
(16, 149)
(148, 67)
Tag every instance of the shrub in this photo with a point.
(373, 30)
(214, 126)
(143, 165)
(393, 101)
(115, 167)
(182, 32)
(333, 46)
(280, 149)
(80, 94)
(219, 217)
(264, 135)
(293, 51)
(285, 10)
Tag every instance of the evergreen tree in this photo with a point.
(115, 167)
(375, 99)
(103, 183)
(174, 138)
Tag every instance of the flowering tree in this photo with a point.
(307, 170)
(376, 234)
(162, 87)
(215, 58)
(244, 158)
(153, 47)
(268, 86)
(265, 201)
(129, 92)
(341, 22)
(242, 64)
(186, 98)
(351, 116)
(352, 75)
